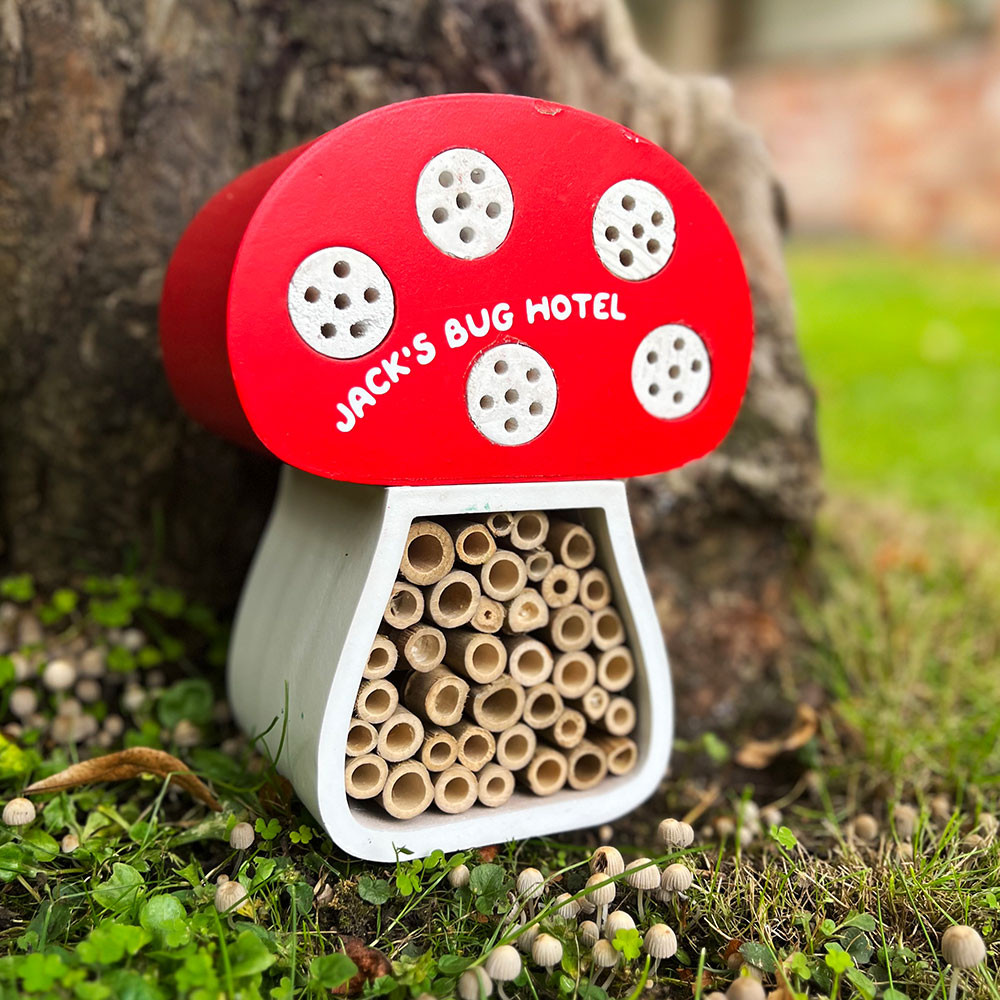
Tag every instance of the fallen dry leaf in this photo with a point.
(758, 754)
(128, 764)
(371, 965)
(487, 854)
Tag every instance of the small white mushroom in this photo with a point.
(88, 690)
(92, 663)
(866, 827)
(748, 814)
(941, 808)
(526, 938)
(19, 812)
(660, 942)
(607, 861)
(133, 698)
(241, 836)
(546, 951)
(530, 885)
(459, 876)
(962, 948)
(904, 818)
(603, 955)
(186, 734)
(617, 921)
(23, 702)
(59, 675)
(587, 906)
(602, 892)
(988, 823)
(675, 880)
(643, 876)
(725, 827)
(675, 833)
(475, 983)
(566, 906)
(229, 895)
(69, 843)
(589, 934)
(502, 965)
(605, 832)
(133, 639)
(114, 725)
(770, 816)
(746, 988)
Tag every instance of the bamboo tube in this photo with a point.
(529, 661)
(376, 701)
(542, 705)
(619, 719)
(525, 612)
(361, 738)
(516, 746)
(560, 586)
(574, 673)
(571, 544)
(593, 703)
(595, 589)
(570, 628)
(489, 616)
(588, 765)
(381, 658)
(440, 749)
(364, 777)
(615, 668)
(495, 785)
(500, 523)
(422, 646)
(428, 555)
(405, 606)
(568, 730)
(477, 657)
(473, 541)
(400, 736)
(608, 629)
(546, 773)
(503, 575)
(622, 753)
(408, 790)
(453, 600)
(498, 705)
(455, 790)
(438, 696)
(538, 563)
(529, 529)
(476, 746)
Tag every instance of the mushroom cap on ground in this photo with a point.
(589, 934)
(770, 816)
(988, 823)
(503, 963)
(676, 878)
(59, 675)
(905, 818)
(866, 826)
(675, 833)
(546, 950)
(527, 938)
(241, 836)
(69, 843)
(474, 982)
(660, 941)
(19, 812)
(962, 947)
(607, 860)
(459, 876)
(566, 906)
(745, 988)
(229, 894)
(603, 954)
(529, 883)
(642, 874)
(600, 890)
(23, 702)
(618, 921)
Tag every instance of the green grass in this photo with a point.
(905, 355)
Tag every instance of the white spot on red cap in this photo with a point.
(633, 229)
(511, 394)
(671, 371)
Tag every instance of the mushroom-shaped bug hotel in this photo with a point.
(449, 312)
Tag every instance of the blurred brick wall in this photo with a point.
(900, 146)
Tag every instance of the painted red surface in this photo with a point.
(355, 187)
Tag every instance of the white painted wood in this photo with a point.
(312, 604)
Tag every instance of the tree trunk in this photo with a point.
(120, 118)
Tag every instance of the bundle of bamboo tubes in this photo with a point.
(500, 661)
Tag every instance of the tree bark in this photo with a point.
(120, 118)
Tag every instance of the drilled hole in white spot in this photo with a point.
(673, 354)
(469, 182)
(619, 229)
(522, 391)
(486, 402)
(336, 290)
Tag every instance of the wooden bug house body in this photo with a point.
(450, 311)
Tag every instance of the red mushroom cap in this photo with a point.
(461, 289)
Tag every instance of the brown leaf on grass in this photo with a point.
(371, 965)
(487, 854)
(758, 754)
(124, 765)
